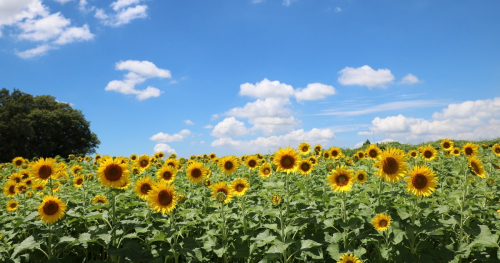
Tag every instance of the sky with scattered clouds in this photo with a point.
(240, 77)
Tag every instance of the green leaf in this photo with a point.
(485, 238)
(28, 243)
(160, 237)
(333, 251)
(306, 244)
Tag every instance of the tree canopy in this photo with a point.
(39, 126)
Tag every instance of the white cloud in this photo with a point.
(208, 126)
(470, 120)
(123, 13)
(12, 12)
(272, 143)
(188, 122)
(139, 71)
(162, 147)
(43, 29)
(262, 108)
(74, 34)
(229, 127)
(365, 76)
(390, 106)
(34, 52)
(165, 137)
(314, 91)
(266, 89)
(273, 125)
(409, 79)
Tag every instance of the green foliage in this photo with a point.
(41, 127)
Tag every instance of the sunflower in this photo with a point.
(29, 194)
(446, 144)
(99, 199)
(196, 172)
(313, 160)
(340, 180)
(391, 165)
(16, 177)
(25, 173)
(286, 160)
(360, 155)
(305, 166)
(18, 161)
(166, 173)
(470, 149)
(422, 181)
(239, 187)
(496, 149)
(51, 209)
(252, 162)
(349, 162)
(381, 222)
(160, 155)
(76, 169)
(219, 188)
(162, 198)
(39, 186)
(212, 156)
(276, 199)
(349, 258)
(143, 186)
(413, 153)
(12, 205)
(42, 169)
(317, 149)
(172, 162)
(265, 170)
(477, 167)
(143, 161)
(372, 151)
(336, 153)
(361, 176)
(207, 182)
(78, 181)
(304, 148)
(180, 198)
(429, 153)
(28, 182)
(456, 151)
(9, 189)
(326, 155)
(228, 164)
(21, 188)
(113, 173)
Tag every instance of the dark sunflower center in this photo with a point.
(475, 167)
(305, 149)
(167, 175)
(240, 187)
(17, 179)
(287, 162)
(145, 188)
(144, 163)
(222, 190)
(50, 208)
(419, 181)
(468, 151)
(19, 162)
(427, 154)
(12, 189)
(252, 163)
(413, 154)
(266, 171)
(101, 201)
(361, 176)
(196, 173)
(29, 182)
(113, 172)
(382, 223)
(446, 145)
(22, 188)
(456, 151)
(342, 180)
(361, 155)
(349, 261)
(305, 167)
(44, 172)
(335, 153)
(497, 150)
(165, 198)
(228, 165)
(13, 205)
(390, 165)
(326, 155)
(25, 176)
(79, 181)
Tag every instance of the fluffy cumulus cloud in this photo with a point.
(32, 21)
(409, 79)
(272, 143)
(163, 147)
(470, 120)
(266, 89)
(139, 71)
(165, 137)
(229, 127)
(189, 122)
(122, 12)
(314, 91)
(365, 76)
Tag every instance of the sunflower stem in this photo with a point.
(223, 230)
(49, 242)
(283, 237)
(174, 226)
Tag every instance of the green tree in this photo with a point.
(41, 127)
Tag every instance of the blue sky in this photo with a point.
(247, 76)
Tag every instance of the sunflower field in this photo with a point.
(435, 202)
